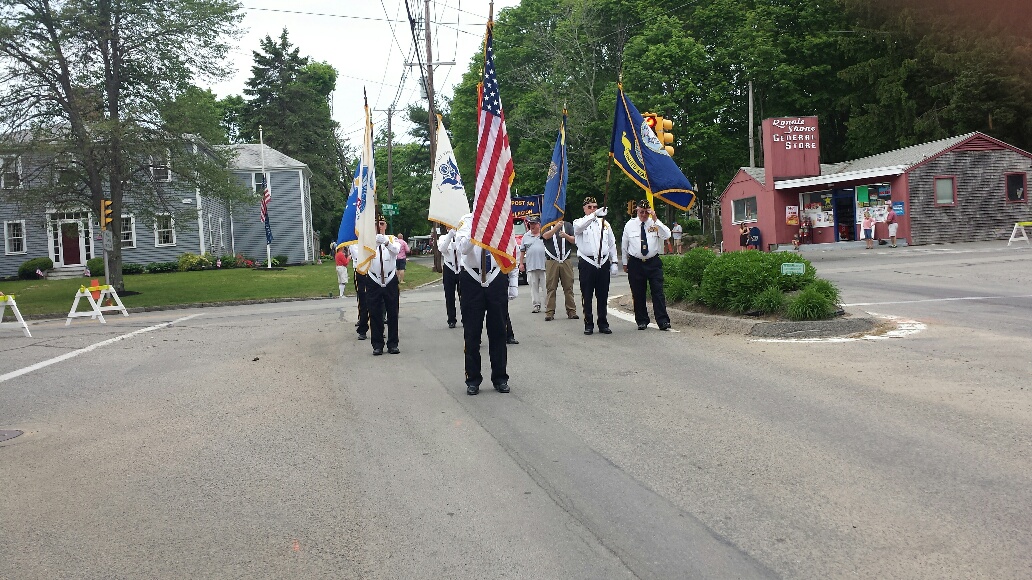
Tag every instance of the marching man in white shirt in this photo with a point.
(643, 238)
(596, 250)
(382, 289)
(485, 291)
(452, 269)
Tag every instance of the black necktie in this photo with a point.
(644, 242)
(486, 257)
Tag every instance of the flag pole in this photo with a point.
(265, 183)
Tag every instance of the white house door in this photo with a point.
(69, 243)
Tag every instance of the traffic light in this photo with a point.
(666, 138)
(105, 213)
(650, 120)
(630, 208)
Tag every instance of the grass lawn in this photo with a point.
(54, 297)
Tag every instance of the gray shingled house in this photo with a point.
(70, 238)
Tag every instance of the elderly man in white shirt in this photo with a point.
(643, 238)
(484, 296)
(597, 258)
(452, 269)
(382, 291)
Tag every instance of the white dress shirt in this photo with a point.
(655, 233)
(588, 231)
(449, 253)
(471, 256)
(384, 265)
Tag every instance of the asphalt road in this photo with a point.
(265, 441)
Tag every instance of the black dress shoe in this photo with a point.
(511, 341)
(377, 351)
(451, 325)
(472, 389)
(394, 350)
(502, 388)
(589, 330)
(643, 326)
(361, 336)
(664, 326)
(605, 330)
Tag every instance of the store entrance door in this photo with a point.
(845, 215)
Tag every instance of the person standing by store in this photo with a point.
(382, 292)
(596, 252)
(643, 237)
(532, 261)
(676, 234)
(452, 269)
(402, 257)
(743, 236)
(558, 250)
(890, 222)
(484, 298)
(867, 224)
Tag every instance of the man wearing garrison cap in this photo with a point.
(382, 290)
(596, 253)
(643, 238)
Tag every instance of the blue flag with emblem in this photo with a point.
(347, 235)
(638, 152)
(553, 206)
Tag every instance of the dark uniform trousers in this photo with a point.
(477, 304)
(594, 282)
(383, 299)
(361, 282)
(639, 274)
(451, 282)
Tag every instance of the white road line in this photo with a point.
(938, 300)
(92, 347)
(630, 317)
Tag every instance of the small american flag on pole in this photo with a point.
(266, 198)
(491, 227)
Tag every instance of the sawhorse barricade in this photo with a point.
(106, 292)
(7, 301)
(1018, 233)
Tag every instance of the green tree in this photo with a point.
(196, 111)
(84, 85)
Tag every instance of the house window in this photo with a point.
(259, 184)
(14, 237)
(743, 210)
(128, 231)
(945, 191)
(10, 172)
(160, 170)
(1017, 184)
(164, 231)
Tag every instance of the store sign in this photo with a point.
(791, 147)
(792, 215)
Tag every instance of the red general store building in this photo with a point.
(961, 189)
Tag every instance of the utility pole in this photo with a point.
(390, 161)
(432, 133)
(752, 148)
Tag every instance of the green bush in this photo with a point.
(133, 268)
(162, 267)
(733, 279)
(280, 260)
(95, 266)
(825, 287)
(27, 271)
(190, 261)
(692, 226)
(810, 304)
(670, 266)
(676, 289)
(790, 282)
(693, 264)
(769, 301)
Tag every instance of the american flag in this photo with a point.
(492, 227)
(266, 198)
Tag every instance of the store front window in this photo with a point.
(744, 210)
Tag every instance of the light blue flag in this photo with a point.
(553, 206)
(638, 152)
(346, 235)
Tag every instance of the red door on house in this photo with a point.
(70, 244)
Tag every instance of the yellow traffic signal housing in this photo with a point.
(105, 213)
(630, 208)
(666, 138)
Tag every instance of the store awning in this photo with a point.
(845, 176)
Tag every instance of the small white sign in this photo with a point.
(789, 268)
(109, 240)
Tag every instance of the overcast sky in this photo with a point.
(368, 42)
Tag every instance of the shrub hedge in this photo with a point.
(27, 271)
